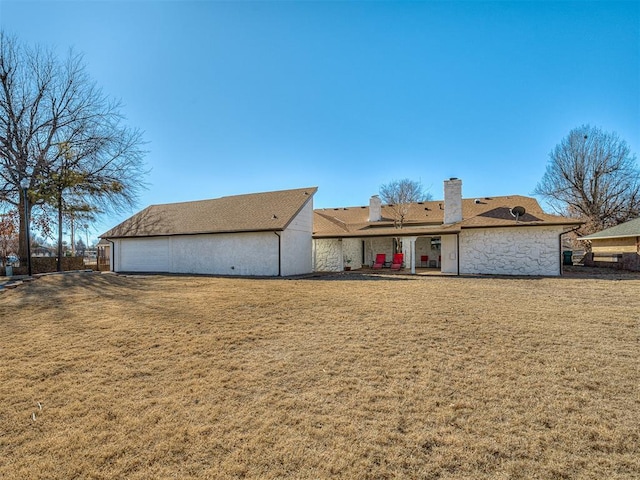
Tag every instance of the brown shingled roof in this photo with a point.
(268, 211)
(426, 218)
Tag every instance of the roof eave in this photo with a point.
(542, 224)
(398, 233)
(219, 232)
(609, 237)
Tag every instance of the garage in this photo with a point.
(259, 234)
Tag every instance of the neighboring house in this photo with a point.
(44, 251)
(617, 246)
(488, 235)
(260, 234)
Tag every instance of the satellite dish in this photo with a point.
(518, 212)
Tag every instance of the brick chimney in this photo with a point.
(375, 209)
(452, 200)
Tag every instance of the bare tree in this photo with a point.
(8, 235)
(60, 132)
(399, 195)
(592, 175)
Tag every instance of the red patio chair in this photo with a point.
(381, 258)
(396, 263)
(424, 260)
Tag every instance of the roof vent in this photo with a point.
(477, 201)
(274, 217)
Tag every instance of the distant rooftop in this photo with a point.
(627, 229)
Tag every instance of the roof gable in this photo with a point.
(267, 211)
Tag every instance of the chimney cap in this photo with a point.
(454, 178)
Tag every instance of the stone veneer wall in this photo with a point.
(329, 254)
(510, 251)
(352, 249)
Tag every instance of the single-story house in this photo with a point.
(508, 235)
(259, 234)
(44, 251)
(279, 234)
(617, 246)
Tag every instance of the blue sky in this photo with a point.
(240, 97)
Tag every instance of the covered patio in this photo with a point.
(421, 249)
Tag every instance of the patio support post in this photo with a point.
(412, 253)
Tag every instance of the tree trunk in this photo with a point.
(59, 261)
(22, 231)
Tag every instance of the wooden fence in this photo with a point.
(622, 261)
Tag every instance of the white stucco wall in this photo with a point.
(297, 256)
(449, 254)
(222, 254)
(505, 251)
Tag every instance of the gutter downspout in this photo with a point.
(279, 254)
(560, 246)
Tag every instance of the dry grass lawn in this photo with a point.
(141, 377)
